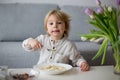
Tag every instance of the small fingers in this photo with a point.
(85, 67)
(38, 46)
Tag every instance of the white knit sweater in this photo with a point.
(61, 51)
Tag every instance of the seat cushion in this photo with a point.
(89, 49)
(14, 56)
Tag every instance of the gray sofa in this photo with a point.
(19, 21)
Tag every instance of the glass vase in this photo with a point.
(117, 61)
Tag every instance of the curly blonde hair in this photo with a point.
(60, 15)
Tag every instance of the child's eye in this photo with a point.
(51, 23)
(59, 22)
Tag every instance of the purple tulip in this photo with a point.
(89, 11)
(100, 10)
(117, 2)
(98, 2)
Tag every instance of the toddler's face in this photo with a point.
(55, 27)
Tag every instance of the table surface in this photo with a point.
(95, 73)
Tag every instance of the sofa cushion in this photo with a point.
(89, 49)
(19, 21)
(78, 21)
(14, 56)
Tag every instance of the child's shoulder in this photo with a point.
(69, 42)
(43, 36)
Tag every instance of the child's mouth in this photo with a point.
(56, 31)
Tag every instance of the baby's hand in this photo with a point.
(84, 66)
(35, 44)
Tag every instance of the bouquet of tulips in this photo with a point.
(105, 21)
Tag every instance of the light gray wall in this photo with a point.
(61, 2)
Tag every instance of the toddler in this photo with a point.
(54, 46)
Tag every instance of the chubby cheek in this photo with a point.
(48, 32)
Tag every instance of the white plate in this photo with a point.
(52, 68)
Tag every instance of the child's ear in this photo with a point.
(65, 31)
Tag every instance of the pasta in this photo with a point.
(52, 68)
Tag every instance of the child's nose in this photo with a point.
(55, 25)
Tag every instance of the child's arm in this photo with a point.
(31, 44)
(78, 59)
(35, 44)
(81, 62)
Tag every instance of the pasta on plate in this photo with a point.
(53, 67)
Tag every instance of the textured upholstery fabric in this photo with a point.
(20, 21)
(89, 50)
(13, 55)
(78, 21)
